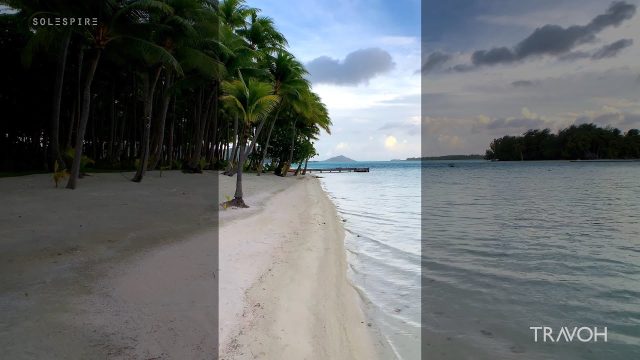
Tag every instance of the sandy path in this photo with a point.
(55, 244)
(301, 306)
(115, 270)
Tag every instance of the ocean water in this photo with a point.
(382, 240)
(512, 245)
(483, 251)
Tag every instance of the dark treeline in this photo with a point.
(156, 84)
(577, 142)
(448, 157)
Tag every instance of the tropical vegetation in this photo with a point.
(156, 84)
(577, 142)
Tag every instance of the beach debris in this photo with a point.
(59, 174)
(486, 333)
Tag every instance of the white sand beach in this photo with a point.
(120, 270)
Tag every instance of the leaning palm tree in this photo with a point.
(183, 33)
(309, 111)
(289, 83)
(253, 101)
(117, 23)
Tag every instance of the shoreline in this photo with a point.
(117, 289)
(302, 305)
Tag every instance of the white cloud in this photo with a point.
(342, 146)
(398, 40)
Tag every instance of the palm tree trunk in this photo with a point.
(238, 194)
(78, 101)
(298, 169)
(149, 89)
(200, 126)
(84, 117)
(304, 172)
(255, 139)
(173, 120)
(287, 166)
(266, 144)
(234, 150)
(214, 136)
(56, 156)
(159, 134)
(113, 124)
(238, 201)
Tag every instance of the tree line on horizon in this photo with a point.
(156, 84)
(576, 142)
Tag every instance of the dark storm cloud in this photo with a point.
(612, 49)
(434, 61)
(632, 120)
(493, 56)
(522, 83)
(555, 40)
(607, 51)
(358, 67)
(508, 125)
(575, 55)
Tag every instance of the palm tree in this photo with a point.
(289, 83)
(310, 112)
(253, 101)
(115, 23)
(234, 13)
(262, 34)
(169, 52)
(49, 38)
(182, 35)
(237, 57)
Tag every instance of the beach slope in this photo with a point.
(301, 305)
(121, 270)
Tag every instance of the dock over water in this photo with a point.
(338, 170)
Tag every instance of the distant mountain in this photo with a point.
(340, 158)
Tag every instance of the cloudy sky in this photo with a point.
(497, 67)
(363, 57)
(489, 68)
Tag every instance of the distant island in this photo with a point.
(339, 158)
(449, 157)
(577, 142)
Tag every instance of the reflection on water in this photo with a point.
(507, 246)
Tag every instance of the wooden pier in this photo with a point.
(336, 170)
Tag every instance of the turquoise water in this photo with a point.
(382, 213)
(503, 246)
